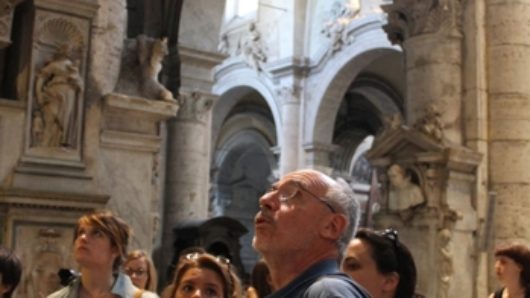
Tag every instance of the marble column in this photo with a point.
(430, 35)
(508, 60)
(290, 98)
(187, 172)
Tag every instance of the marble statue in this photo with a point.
(403, 194)
(58, 86)
(253, 49)
(151, 53)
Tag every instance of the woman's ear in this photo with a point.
(391, 282)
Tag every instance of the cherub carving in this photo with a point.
(151, 53)
(431, 123)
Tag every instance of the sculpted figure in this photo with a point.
(403, 193)
(151, 53)
(57, 89)
(253, 50)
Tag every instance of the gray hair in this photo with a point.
(341, 195)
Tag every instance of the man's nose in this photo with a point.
(269, 201)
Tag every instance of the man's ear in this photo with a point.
(334, 226)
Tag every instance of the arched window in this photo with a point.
(240, 9)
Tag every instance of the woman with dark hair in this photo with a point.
(10, 272)
(260, 281)
(380, 263)
(512, 267)
(206, 276)
(100, 245)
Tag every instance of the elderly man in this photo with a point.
(305, 222)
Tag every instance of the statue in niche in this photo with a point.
(403, 194)
(57, 89)
(446, 262)
(151, 53)
(431, 123)
(253, 49)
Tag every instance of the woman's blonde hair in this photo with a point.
(152, 277)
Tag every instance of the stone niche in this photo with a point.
(427, 195)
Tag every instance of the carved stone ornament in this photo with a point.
(58, 86)
(431, 123)
(7, 6)
(289, 94)
(252, 48)
(151, 53)
(194, 105)
(446, 262)
(341, 15)
(408, 18)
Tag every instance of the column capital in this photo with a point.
(410, 18)
(194, 104)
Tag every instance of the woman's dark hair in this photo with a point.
(10, 269)
(390, 255)
(260, 279)
(520, 254)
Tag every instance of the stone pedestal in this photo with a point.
(129, 160)
(440, 227)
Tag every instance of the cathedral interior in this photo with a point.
(177, 115)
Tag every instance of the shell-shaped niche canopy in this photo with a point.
(58, 32)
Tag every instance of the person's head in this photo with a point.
(10, 272)
(204, 275)
(101, 239)
(306, 211)
(260, 279)
(379, 262)
(397, 175)
(141, 270)
(512, 265)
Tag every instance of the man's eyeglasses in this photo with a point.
(291, 188)
(137, 272)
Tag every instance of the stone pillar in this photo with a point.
(432, 43)
(290, 129)
(508, 61)
(187, 172)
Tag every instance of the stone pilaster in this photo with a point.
(429, 32)
(508, 60)
(187, 172)
(290, 98)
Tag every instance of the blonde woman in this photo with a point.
(139, 267)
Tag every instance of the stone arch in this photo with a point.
(235, 86)
(335, 80)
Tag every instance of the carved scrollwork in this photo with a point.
(431, 123)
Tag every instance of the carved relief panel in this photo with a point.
(44, 250)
